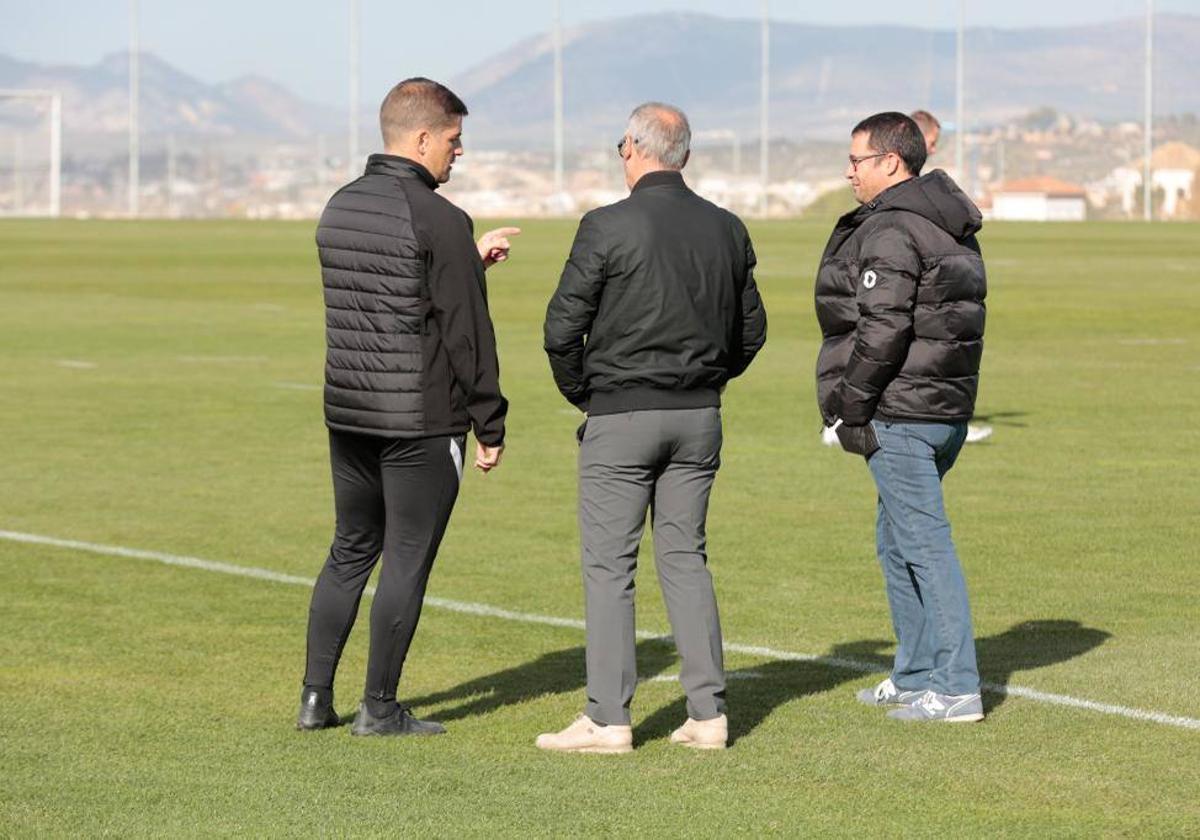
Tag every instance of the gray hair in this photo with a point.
(662, 133)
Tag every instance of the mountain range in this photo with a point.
(822, 80)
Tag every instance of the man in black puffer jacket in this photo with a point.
(900, 302)
(410, 368)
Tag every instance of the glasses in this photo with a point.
(621, 145)
(855, 161)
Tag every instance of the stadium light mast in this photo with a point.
(352, 151)
(1148, 173)
(558, 99)
(18, 185)
(959, 124)
(55, 154)
(171, 176)
(134, 150)
(764, 122)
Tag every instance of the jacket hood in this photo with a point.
(937, 198)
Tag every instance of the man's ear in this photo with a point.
(686, 157)
(894, 166)
(423, 141)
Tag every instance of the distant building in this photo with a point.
(1173, 170)
(1039, 199)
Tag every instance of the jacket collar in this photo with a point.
(660, 178)
(400, 166)
(851, 221)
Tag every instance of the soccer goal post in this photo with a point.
(41, 101)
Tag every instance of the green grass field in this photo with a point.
(159, 393)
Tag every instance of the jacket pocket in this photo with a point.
(858, 440)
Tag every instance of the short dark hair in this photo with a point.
(894, 132)
(418, 104)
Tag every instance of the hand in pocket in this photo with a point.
(858, 440)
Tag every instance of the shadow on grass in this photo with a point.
(1022, 647)
(1002, 418)
(756, 691)
(560, 672)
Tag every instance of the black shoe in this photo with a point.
(314, 714)
(399, 722)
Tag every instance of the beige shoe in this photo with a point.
(587, 736)
(703, 734)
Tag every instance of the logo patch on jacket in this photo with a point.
(869, 278)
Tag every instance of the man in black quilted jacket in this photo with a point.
(410, 368)
(899, 299)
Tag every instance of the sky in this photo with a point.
(304, 44)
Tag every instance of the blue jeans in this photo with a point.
(925, 587)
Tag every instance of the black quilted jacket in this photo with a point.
(900, 302)
(410, 350)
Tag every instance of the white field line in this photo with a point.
(76, 364)
(220, 360)
(731, 675)
(1152, 342)
(532, 618)
(298, 386)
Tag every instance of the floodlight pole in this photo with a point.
(764, 121)
(56, 155)
(134, 150)
(352, 152)
(18, 186)
(959, 124)
(1147, 173)
(171, 176)
(558, 99)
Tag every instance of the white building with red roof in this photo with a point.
(1039, 199)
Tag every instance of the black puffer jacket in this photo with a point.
(657, 306)
(900, 302)
(410, 347)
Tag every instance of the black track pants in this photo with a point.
(393, 497)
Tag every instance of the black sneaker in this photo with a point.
(399, 722)
(315, 714)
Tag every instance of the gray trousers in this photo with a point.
(664, 461)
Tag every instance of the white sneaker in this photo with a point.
(977, 433)
(587, 736)
(887, 694)
(944, 708)
(703, 734)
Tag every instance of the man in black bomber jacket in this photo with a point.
(899, 299)
(410, 368)
(655, 311)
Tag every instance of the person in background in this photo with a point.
(931, 130)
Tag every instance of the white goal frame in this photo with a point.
(55, 100)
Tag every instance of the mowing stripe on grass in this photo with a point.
(574, 623)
